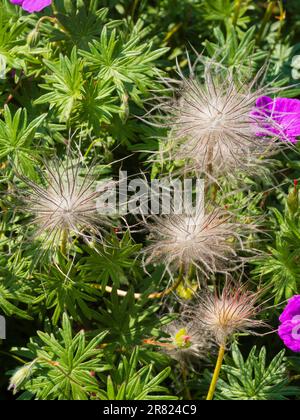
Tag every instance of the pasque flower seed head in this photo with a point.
(214, 123)
(209, 240)
(66, 204)
(228, 312)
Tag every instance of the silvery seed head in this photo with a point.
(213, 126)
(66, 204)
(209, 240)
(223, 314)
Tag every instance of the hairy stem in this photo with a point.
(64, 242)
(237, 10)
(185, 382)
(54, 9)
(45, 19)
(209, 166)
(216, 374)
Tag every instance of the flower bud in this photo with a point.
(20, 376)
(182, 339)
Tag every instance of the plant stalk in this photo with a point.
(266, 19)
(216, 375)
(64, 242)
(237, 10)
(185, 383)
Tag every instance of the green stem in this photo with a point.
(5, 353)
(266, 19)
(216, 374)
(64, 242)
(281, 20)
(158, 295)
(134, 7)
(191, 272)
(90, 147)
(185, 383)
(45, 19)
(237, 10)
(54, 9)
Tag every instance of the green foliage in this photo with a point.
(80, 24)
(80, 76)
(127, 382)
(12, 293)
(65, 84)
(64, 289)
(253, 379)
(129, 322)
(12, 28)
(63, 365)
(16, 139)
(237, 52)
(227, 11)
(125, 61)
(280, 266)
(115, 261)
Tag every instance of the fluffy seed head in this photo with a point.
(209, 240)
(213, 126)
(66, 203)
(224, 314)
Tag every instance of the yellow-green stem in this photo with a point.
(92, 144)
(237, 10)
(134, 7)
(216, 375)
(64, 242)
(54, 9)
(44, 19)
(266, 19)
(185, 382)
(191, 273)
(158, 295)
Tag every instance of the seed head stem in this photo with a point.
(185, 382)
(159, 295)
(267, 17)
(64, 242)
(216, 374)
(237, 10)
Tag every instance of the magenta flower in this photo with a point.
(289, 330)
(32, 5)
(279, 116)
